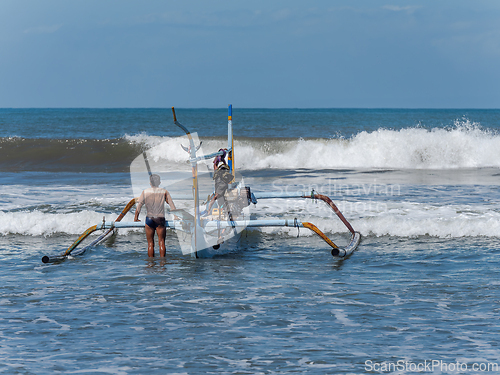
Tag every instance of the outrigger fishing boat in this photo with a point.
(202, 233)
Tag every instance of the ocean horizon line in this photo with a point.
(259, 108)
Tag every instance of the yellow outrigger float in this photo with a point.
(207, 232)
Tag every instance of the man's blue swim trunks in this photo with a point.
(155, 222)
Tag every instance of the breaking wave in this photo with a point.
(465, 145)
(401, 219)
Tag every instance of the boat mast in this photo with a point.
(230, 141)
(194, 168)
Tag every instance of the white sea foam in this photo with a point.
(397, 219)
(36, 223)
(466, 145)
(70, 209)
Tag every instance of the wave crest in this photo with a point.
(465, 145)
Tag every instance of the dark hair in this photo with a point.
(220, 158)
(154, 179)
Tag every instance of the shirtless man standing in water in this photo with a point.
(154, 198)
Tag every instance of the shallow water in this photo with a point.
(422, 286)
(282, 305)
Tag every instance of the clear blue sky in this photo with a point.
(272, 53)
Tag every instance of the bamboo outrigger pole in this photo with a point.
(336, 251)
(69, 250)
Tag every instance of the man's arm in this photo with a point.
(137, 211)
(169, 200)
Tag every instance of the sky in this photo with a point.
(252, 54)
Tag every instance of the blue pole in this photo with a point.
(230, 142)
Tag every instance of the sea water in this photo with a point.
(420, 294)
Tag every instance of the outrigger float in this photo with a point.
(204, 233)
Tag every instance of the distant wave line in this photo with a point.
(464, 146)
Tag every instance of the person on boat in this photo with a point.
(154, 198)
(222, 178)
